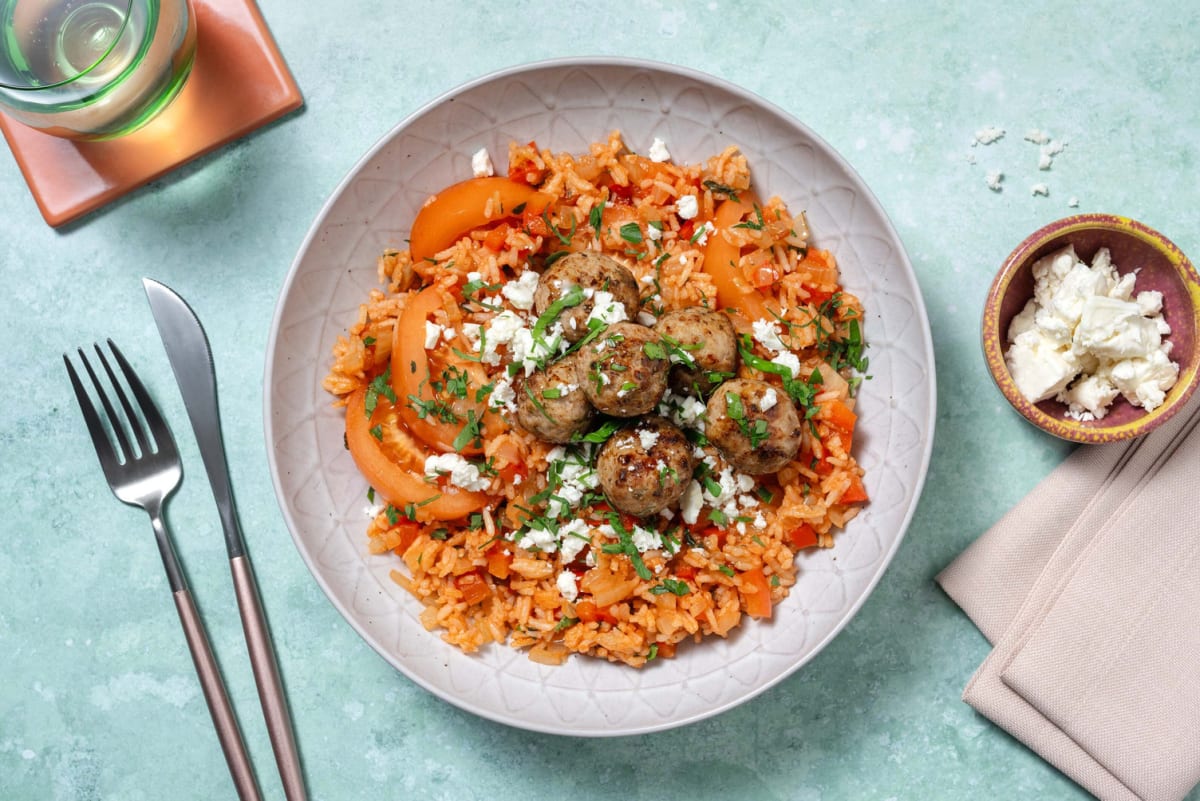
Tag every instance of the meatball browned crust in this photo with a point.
(645, 468)
(703, 349)
(551, 404)
(754, 424)
(589, 271)
(624, 370)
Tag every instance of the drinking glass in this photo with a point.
(93, 69)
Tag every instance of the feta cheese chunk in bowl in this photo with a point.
(1090, 328)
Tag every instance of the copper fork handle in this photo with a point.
(219, 707)
(266, 677)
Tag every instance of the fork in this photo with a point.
(145, 477)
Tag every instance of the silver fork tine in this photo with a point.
(126, 453)
(104, 447)
(163, 441)
(134, 423)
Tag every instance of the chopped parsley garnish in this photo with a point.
(565, 623)
(752, 225)
(598, 435)
(654, 350)
(632, 232)
(673, 586)
(596, 217)
(471, 433)
(726, 569)
(377, 432)
(721, 189)
(380, 385)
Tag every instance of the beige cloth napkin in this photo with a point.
(1089, 591)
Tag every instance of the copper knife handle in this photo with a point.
(217, 699)
(266, 677)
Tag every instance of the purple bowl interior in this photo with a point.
(1129, 252)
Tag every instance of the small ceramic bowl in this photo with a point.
(1160, 266)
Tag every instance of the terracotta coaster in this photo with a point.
(239, 82)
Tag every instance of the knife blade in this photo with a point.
(191, 360)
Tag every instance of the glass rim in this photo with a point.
(126, 9)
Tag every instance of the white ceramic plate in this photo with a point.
(565, 105)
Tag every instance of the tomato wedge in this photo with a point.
(411, 376)
(397, 485)
(461, 208)
(721, 262)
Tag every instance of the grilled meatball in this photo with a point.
(624, 370)
(551, 404)
(588, 271)
(754, 425)
(645, 468)
(704, 338)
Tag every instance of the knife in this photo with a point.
(191, 361)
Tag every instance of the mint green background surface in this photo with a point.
(98, 699)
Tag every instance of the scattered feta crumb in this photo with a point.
(460, 472)
(481, 164)
(994, 177)
(433, 332)
(703, 232)
(520, 292)
(658, 151)
(766, 333)
(789, 360)
(687, 207)
(645, 539)
(1039, 189)
(1073, 202)
(653, 232)
(648, 438)
(606, 309)
(1036, 136)
(566, 586)
(988, 135)
(768, 400)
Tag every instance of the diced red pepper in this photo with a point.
(803, 536)
(473, 587)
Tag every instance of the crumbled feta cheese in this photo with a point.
(648, 438)
(459, 471)
(766, 333)
(532, 539)
(566, 586)
(789, 360)
(687, 207)
(503, 395)
(606, 309)
(574, 536)
(658, 151)
(448, 334)
(1039, 189)
(1085, 337)
(988, 135)
(691, 502)
(760, 522)
(768, 400)
(520, 292)
(481, 163)
(645, 539)
(994, 178)
(1073, 202)
(703, 232)
(683, 410)
(653, 232)
(433, 332)
(1037, 137)
(1045, 160)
